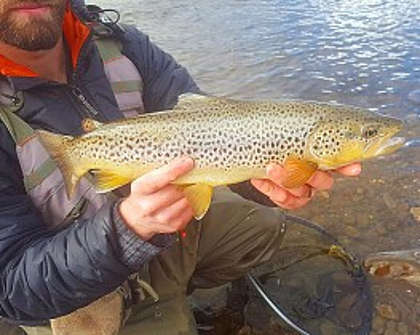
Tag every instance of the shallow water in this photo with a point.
(364, 53)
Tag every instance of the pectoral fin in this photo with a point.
(298, 172)
(199, 197)
(106, 180)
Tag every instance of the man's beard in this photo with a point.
(34, 34)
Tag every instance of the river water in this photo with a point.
(364, 53)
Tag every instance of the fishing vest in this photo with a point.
(42, 178)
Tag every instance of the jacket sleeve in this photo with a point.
(44, 273)
(164, 79)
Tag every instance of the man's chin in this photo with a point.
(32, 37)
(32, 32)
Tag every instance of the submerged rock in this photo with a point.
(415, 211)
(388, 312)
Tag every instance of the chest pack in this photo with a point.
(42, 178)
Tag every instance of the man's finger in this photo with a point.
(165, 197)
(276, 173)
(270, 189)
(350, 170)
(159, 178)
(321, 180)
(174, 211)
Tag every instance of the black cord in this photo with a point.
(101, 15)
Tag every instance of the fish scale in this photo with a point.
(229, 140)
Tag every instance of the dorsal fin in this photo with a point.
(192, 101)
(90, 125)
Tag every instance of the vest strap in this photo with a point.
(39, 175)
(18, 129)
(108, 48)
(126, 86)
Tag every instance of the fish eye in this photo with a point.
(369, 132)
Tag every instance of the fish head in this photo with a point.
(346, 135)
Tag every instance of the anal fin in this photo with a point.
(298, 172)
(107, 180)
(199, 197)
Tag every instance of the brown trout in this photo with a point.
(230, 141)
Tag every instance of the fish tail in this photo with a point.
(56, 146)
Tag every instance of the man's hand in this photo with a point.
(298, 197)
(156, 206)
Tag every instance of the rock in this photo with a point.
(415, 211)
(390, 201)
(360, 190)
(351, 232)
(388, 312)
(362, 220)
(328, 328)
(380, 229)
(324, 194)
(402, 329)
(245, 330)
(378, 324)
(391, 325)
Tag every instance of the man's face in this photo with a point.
(31, 25)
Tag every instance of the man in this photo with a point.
(52, 265)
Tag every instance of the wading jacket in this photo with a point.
(46, 273)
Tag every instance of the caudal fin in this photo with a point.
(56, 146)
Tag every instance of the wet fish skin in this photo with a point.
(229, 140)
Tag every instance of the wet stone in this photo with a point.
(378, 324)
(351, 232)
(328, 328)
(380, 229)
(245, 330)
(324, 194)
(415, 211)
(391, 325)
(390, 201)
(388, 312)
(362, 220)
(348, 219)
(402, 329)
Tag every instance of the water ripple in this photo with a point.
(357, 52)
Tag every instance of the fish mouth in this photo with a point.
(386, 145)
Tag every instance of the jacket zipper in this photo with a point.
(90, 110)
(77, 91)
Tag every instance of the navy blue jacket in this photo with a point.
(46, 274)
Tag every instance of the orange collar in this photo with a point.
(75, 33)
